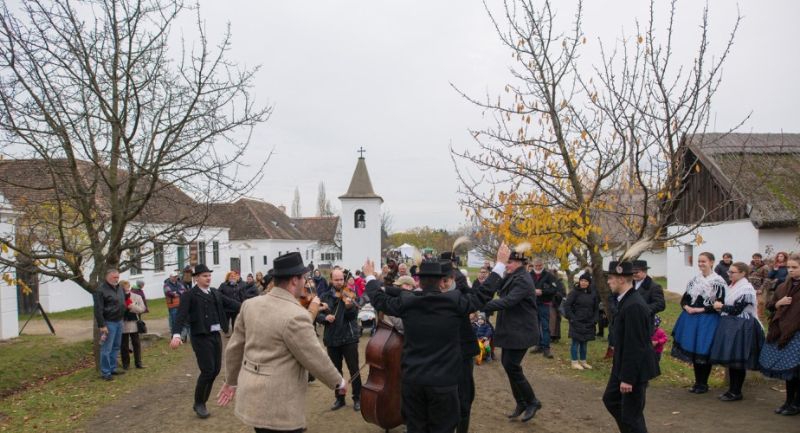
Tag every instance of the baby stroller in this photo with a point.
(366, 316)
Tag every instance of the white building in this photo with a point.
(361, 220)
(9, 323)
(744, 188)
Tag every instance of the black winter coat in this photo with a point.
(581, 309)
(634, 357)
(109, 304)
(547, 284)
(249, 291)
(517, 318)
(232, 291)
(432, 329)
(201, 311)
(468, 339)
(343, 330)
(653, 296)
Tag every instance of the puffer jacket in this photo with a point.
(581, 309)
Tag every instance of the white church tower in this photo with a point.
(361, 220)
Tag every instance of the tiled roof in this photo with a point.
(319, 228)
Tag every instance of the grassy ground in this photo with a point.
(157, 307)
(63, 404)
(31, 358)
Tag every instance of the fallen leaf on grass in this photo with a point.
(675, 413)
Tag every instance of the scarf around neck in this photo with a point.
(706, 287)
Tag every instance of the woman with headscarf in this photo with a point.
(696, 326)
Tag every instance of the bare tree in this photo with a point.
(387, 220)
(115, 145)
(566, 142)
(296, 212)
(324, 207)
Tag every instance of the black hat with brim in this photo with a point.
(447, 267)
(640, 265)
(518, 257)
(201, 269)
(620, 268)
(430, 268)
(289, 265)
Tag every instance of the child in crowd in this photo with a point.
(659, 339)
(484, 332)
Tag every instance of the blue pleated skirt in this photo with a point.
(781, 363)
(692, 336)
(737, 343)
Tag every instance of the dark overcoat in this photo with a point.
(634, 358)
(517, 318)
(581, 309)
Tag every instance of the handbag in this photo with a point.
(141, 327)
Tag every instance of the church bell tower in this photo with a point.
(361, 219)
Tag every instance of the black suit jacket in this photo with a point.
(547, 284)
(468, 339)
(653, 296)
(192, 311)
(634, 357)
(432, 323)
(517, 318)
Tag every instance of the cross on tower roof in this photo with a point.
(361, 151)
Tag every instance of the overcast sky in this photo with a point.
(347, 73)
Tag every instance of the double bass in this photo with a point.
(381, 397)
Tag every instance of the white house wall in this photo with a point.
(259, 248)
(739, 238)
(9, 323)
(773, 241)
(57, 295)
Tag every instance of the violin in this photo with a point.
(306, 298)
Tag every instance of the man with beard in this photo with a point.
(517, 326)
(546, 288)
(468, 342)
(341, 335)
(634, 358)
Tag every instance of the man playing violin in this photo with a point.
(341, 334)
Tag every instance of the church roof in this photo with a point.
(361, 185)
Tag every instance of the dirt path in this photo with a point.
(71, 331)
(569, 405)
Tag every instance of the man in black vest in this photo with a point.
(651, 292)
(517, 324)
(634, 358)
(203, 309)
(431, 359)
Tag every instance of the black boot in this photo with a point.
(517, 411)
(463, 426)
(530, 411)
(201, 411)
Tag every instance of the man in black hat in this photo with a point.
(651, 292)
(517, 324)
(431, 362)
(634, 358)
(468, 343)
(203, 309)
(546, 289)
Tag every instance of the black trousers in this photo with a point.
(137, 350)
(627, 409)
(701, 373)
(520, 387)
(736, 378)
(231, 318)
(466, 388)
(430, 409)
(348, 352)
(268, 430)
(208, 350)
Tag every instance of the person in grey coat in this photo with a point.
(581, 309)
(517, 326)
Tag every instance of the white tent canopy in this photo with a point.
(407, 251)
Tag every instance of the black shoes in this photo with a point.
(530, 411)
(338, 404)
(791, 409)
(698, 389)
(109, 378)
(536, 349)
(546, 353)
(201, 411)
(140, 366)
(517, 411)
(117, 373)
(728, 396)
(357, 406)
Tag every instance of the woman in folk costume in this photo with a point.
(739, 336)
(780, 356)
(694, 331)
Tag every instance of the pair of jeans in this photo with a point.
(109, 349)
(578, 350)
(520, 387)
(133, 340)
(544, 325)
(348, 352)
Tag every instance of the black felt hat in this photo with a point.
(447, 267)
(201, 269)
(450, 256)
(640, 265)
(430, 268)
(518, 256)
(289, 265)
(620, 268)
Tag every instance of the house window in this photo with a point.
(265, 260)
(201, 252)
(181, 256)
(338, 256)
(360, 219)
(158, 257)
(136, 261)
(688, 255)
(215, 252)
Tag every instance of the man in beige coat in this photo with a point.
(271, 352)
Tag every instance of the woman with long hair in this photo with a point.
(694, 331)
